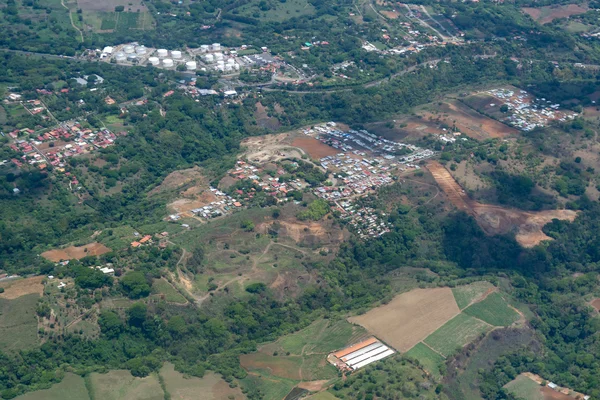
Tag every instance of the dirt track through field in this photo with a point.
(494, 219)
(410, 317)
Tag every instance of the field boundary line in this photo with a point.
(443, 356)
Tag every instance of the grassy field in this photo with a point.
(429, 359)
(524, 388)
(164, 288)
(121, 385)
(466, 294)
(270, 389)
(18, 323)
(494, 310)
(72, 387)
(323, 396)
(279, 11)
(209, 387)
(456, 333)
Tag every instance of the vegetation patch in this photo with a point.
(121, 385)
(494, 310)
(429, 359)
(18, 323)
(76, 252)
(165, 290)
(72, 387)
(455, 334)
(267, 388)
(209, 387)
(524, 388)
(467, 294)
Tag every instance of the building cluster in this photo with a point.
(360, 354)
(52, 147)
(224, 204)
(271, 185)
(365, 221)
(528, 112)
(36, 107)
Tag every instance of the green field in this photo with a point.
(455, 334)
(494, 310)
(464, 295)
(72, 387)
(429, 359)
(209, 387)
(270, 389)
(524, 388)
(279, 11)
(323, 396)
(121, 385)
(164, 288)
(18, 323)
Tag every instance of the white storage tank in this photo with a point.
(128, 49)
(209, 58)
(162, 52)
(141, 50)
(108, 50)
(218, 56)
(131, 57)
(216, 46)
(154, 61)
(228, 67)
(231, 61)
(204, 48)
(167, 62)
(190, 65)
(120, 56)
(176, 54)
(236, 67)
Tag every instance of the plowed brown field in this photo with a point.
(410, 317)
(92, 249)
(16, 288)
(495, 219)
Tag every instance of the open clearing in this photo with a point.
(494, 310)
(72, 387)
(496, 220)
(121, 385)
(209, 387)
(471, 293)
(109, 5)
(313, 147)
(547, 14)
(410, 317)
(455, 334)
(14, 289)
(177, 179)
(455, 114)
(596, 304)
(18, 323)
(525, 388)
(73, 252)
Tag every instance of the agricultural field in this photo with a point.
(494, 310)
(416, 314)
(15, 288)
(524, 388)
(468, 294)
(455, 334)
(18, 323)
(322, 396)
(121, 385)
(209, 387)
(429, 359)
(547, 14)
(75, 252)
(270, 389)
(277, 11)
(72, 387)
(165, 290)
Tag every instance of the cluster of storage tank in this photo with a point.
(205, 48)
(130, 53)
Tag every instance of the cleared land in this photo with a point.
(271, 389)
(177, 179)
(165, 290)
(525, 388)
(429, 359)
(314, 148)
(209, 387)
(468, 294)
(74, 252)
(121, 385)
(547, 14)
(14, 289)
(495, 219)
(494, 310)
(72, 387)
(18, 323)
(596, 304)
(455, 334)
(410, 317)
(109, 5)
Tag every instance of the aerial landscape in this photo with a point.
(299, 199)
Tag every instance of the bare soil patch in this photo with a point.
(16, 288)
(73, 252)
(312, 386)
(185, 205)
(314, 147)
(308, 233)
(390, 14)
(547, 14)
(263, 120)
(410, 317)
(496, 220)
(596, 304)
(180, 178)
(456, 115)
(270, 148)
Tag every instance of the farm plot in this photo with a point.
(18, 323)
(72, 387)
(467, 294)
(270, 389)
(455, 334)
(429, 359)
(121, 385)
(165, 290)
(76, 252)
(410, 317)
(494, 310)
(547, 14)
(524, 388)
(16, 288)
(209, 387)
